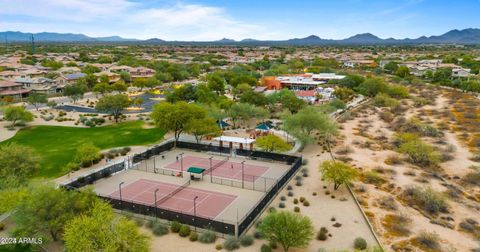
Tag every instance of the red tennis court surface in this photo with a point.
(228, 169)
(208, 204)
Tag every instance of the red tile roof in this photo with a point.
(305, 93)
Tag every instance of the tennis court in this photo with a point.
(179, 198)
(221, 168)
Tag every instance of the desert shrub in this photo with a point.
(283, 198)
(431, 201)
(246, 240)
(258, 235)
(219, 247)
(386, 116)
(151, 223)
(322, 234)
(372, 177)
(298, 183)
(193, 236)
(384, 100)
(302, 199)
(420, 101)
(159, 229)
(472, 178)
(420, 153)
(295, 201)
(393, 160)
(265, 248)
(281, 205)
(344, 150)
(430, 131)
(360, 243)
(397, 224)
(468, 225)
(387, 202)
(306, 203)
(184, 231)
(208, 236)
(231, 243)
(476, 157)
(175, 227)
(429, 240)
(2, 226)
(401, 138)
(304, 161)
(290, 194)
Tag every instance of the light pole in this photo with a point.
(120, 191)
(243, 172)
(210, 158)
(195, 213)
(181, 163)
(155, 194)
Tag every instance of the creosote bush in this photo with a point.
(193, 236)
(360, 243)
(175, 227)
(208, 236)
(159, 229)
(184, 231)
(246, 240)
(431, 201)
(265, 248)
(429, 240)
(231, 243)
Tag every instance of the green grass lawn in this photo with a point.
(57, 145)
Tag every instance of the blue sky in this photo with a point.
(258, 19)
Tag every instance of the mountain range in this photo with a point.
(466, 36)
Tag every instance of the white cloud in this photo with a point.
(127, 18)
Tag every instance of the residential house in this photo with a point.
(461, 72)
(306, 81)
(309, 96)
(141, 72)
(39, 85)
(69, 78)
(12, 89)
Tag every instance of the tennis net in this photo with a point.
(219, 164)
(170, 195)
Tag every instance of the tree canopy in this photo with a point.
(113, 104)
(175, 117)
(272, 143)
(75, 91)
(99, 230)
(203, 127)
(17, 163)
(36, 99)
(338, 173)
(15, 114)
(308, 120)
(46, 210)
(287, 228)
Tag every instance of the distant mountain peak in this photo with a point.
(313, 37)
(455, 36)
(226, 40)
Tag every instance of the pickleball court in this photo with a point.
(222, 167)
(174, 197)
